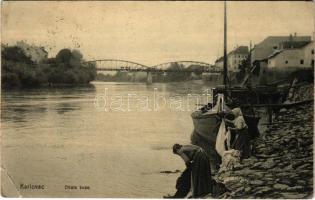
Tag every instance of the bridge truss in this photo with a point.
(124, 65)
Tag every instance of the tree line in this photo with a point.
(19, 70)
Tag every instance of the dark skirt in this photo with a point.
(201, 174)
(209, 147)
(241, 142)
(183, 184)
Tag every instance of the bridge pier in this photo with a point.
(149, 77)
(133, 76)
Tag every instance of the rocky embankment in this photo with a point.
(282, 162)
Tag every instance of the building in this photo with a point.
(272, 44)
(309, 54)
(234, 58)
(298, 56)
(219, 63)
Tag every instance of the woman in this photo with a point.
(197, 167)
(240, 140)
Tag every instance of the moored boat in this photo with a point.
(207, 121)
(206, 127)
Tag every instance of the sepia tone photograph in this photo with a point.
(157, 99)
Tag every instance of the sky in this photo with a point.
(151, 32)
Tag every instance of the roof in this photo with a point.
(299, 45)
(219, 59)
(294, 44)
(240, 50)
(265, 48)
(274, 40)
(287, 37)
(275, 53)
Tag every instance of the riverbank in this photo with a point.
(282, 162)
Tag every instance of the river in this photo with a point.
(113, 138)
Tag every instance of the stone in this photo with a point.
(287, 181)
(284, 174)
(268, 164)
(270, 182)
(268, 151)
(226, 195)
(247, 189)
(232, 180)
(281, 165)
(239, 190)
(280, 186)
(252, 174)
(304, 166)
(275, 170)
(256, 175)
(288, 168)
(295, 189)
(310, 182)
(275, 196)
(269, 177)
(301, 182)
(239, 167)
(305, 173)
(256, 165)
(293, 195)
(256, 182)
(297, 164)
(262, 191)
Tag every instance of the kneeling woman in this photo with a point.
(197, 170)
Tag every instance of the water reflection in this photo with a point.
(64, 107)
(20, 105)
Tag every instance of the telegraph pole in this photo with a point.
(224, 53)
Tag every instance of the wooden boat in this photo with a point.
(207, 123)
(206, 127)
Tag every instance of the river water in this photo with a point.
(114, 138)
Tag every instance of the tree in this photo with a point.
(76, 58)
(14, 53)
(64, 56)
(175, 73)
(245, 64)
(18, 70)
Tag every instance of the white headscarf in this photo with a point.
(237, 112)
(239, 121)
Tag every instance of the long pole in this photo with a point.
(224, 53)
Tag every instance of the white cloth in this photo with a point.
(230, 159)
(228, 139)
(239, 122)
(219, 144)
